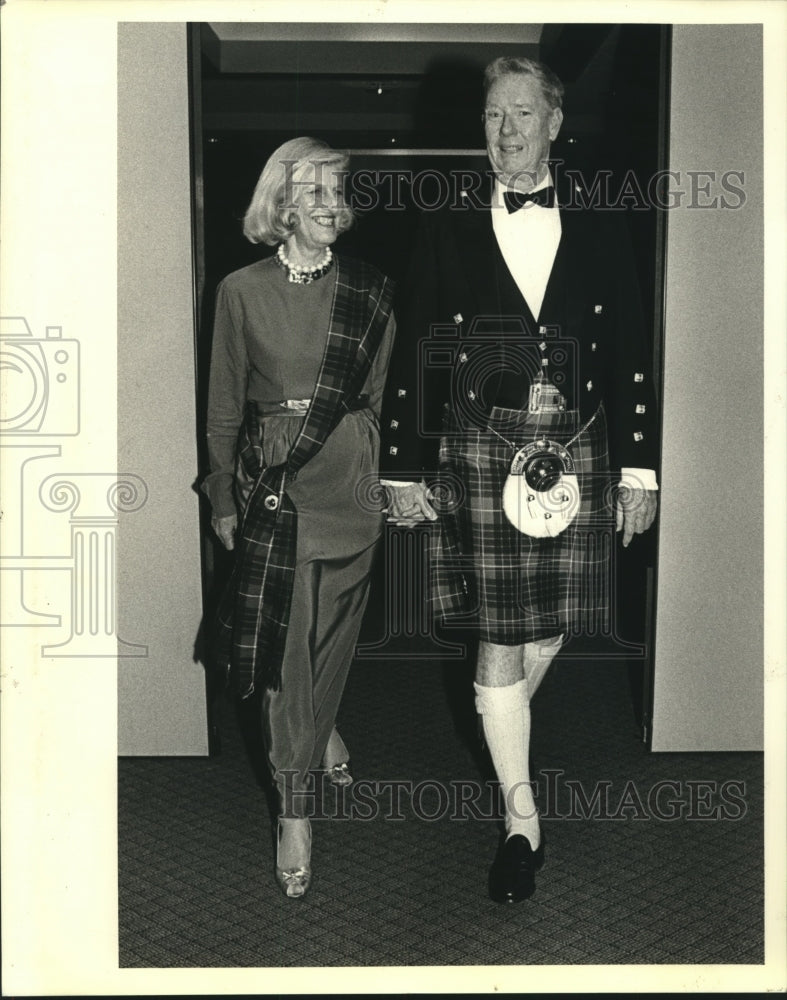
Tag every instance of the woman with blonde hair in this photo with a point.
(300, 351)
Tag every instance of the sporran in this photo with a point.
(541, 492)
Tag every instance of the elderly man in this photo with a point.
(520, 329)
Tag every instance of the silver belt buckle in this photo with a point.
(297, 405)
(545, 398)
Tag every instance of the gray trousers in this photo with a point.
(328, 602)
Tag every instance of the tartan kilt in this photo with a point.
(485, 573)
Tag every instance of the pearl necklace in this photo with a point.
(304, 275)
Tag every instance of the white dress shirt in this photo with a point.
(528, 240)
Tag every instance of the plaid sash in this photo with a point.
(251, 626)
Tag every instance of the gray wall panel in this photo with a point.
(709, 655)
(161, 698)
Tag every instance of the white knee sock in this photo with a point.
(505, 714)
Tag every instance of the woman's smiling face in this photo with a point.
(320, 211)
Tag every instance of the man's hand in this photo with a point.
(635, 512)
(409, 504)
(225, 529)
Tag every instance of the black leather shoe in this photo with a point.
(512, 876)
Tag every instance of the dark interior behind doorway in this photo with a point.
(402, 110)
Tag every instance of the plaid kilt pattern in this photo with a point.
(251, 625)
(509, 586)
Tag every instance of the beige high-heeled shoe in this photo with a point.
(294, 876)
(338, 773)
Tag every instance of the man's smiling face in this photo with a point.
(520, 127)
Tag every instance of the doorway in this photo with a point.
(408, 106)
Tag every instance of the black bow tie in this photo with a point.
(515, 200)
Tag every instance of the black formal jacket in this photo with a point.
(466, 337)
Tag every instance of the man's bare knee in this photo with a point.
(499, 666)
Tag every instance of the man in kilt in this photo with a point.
(520, 331)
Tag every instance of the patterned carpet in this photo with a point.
(642, 873)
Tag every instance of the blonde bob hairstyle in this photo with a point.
(270, 217)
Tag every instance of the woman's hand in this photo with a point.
(225, 529)
(409, 504)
